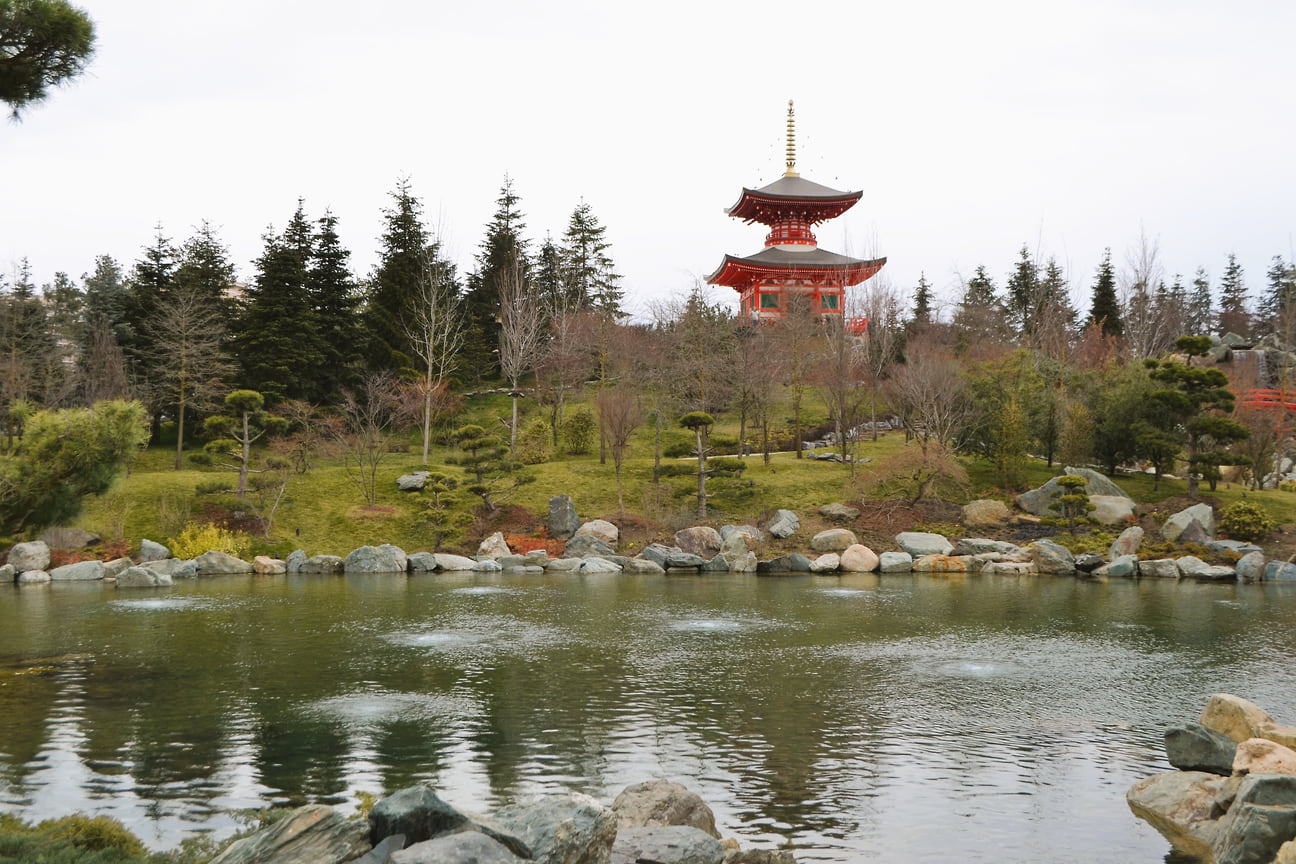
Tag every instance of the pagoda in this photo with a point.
(792, 262)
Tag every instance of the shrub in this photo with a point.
(726, 466)
(195, 539)
(578, 432)
(95, 834)
(534, 442)
(679, 450)
(1247, 521)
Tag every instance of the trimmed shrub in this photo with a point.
(534, 443)
(579, 431)
(1247, 521)
(194, 540)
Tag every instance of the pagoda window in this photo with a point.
(829, 301)
(769, 300)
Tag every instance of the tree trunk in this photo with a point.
(701, 511)
(513, 428)
(246, 441)
(180, 418)
(427, 418)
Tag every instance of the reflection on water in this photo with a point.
(853, 718)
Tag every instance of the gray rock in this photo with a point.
(1111, 509)
(757, 537)
(536, 558)
(421, 562)
(32, 577)
(382, 853)
(142, 577)
(602, 529)
(568, 829)
(718, 564)
(1038, 501)
(314, 834)
(793, 563)
(488, 565)
(7, 573)
(760, 856)
(1159, 568)
(60, 537)
(598, 565)
(1193, 747)
(150, 551)
(1192, 567)
(563, 565)
(1279, 571)
(1127, 543)
(658, 552)
(413, 482)
(829, 562)
(839, 512)
(979, 546)
(700, 540)
(1175, 525)
(494, 546)
(784, 524)
(563, 521)
(746, 563)
(512, 562)
(833, 540)
(1261, 818)
(669, 844)
(115, 567)
(84, 571)
(643, 567)
(453, 562)
(1124, 566)
(326, 565)
(662, 802)
(216, 563)
(985, 513)
(859, 559)
(34, 555)
(678, 560)
(920, 543)
(1194, 532)
(419, 813)
(176, 568)
(295, 560)
(1088, 562)
(376, 559)
(1096, 483)
(895, 562)
(586, 546)
(1250, 567)
(467, 847)
(1052, 558)
(264, 565)
(1237, 547)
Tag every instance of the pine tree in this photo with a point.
(980, 316)
(25, 336)
(1200, 314)
(502, 255)
(1105, 308)
(922, 301)
(105, 298)
(204, 269)
(335, 302)
(1023, 291)
(1052, 319)
(1233, 314)
(590, 271)
(550, 279)
(1279, 305)
(151, 278)
(395, 284)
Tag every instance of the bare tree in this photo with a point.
(880, 303)
(565, 360)
(619, 416)
(1148, 332)
(362, 431)
(102, 369)
(839, 376)
(521, 327)
(436, 331)
(929, 392)
(799, 342)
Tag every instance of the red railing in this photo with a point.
(858, 326)
(1268, 399)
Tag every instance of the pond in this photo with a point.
(893, 719)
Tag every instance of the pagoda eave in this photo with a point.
(757, 206)
(740, 273)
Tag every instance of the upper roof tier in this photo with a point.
(792, 196)
(812, 264)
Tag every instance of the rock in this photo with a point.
(567, 829)
(419, 814)
(716, 565)
(1194, 532)
(1250, 567)
(1158, 568)
(376, 559)
(1127, 543)
(784, 524)
(1261, 818)
(1038, 501)
(1088, 562)
(32, 577)
(1240, 720)
(1176, 524)
(1279, 571)
(1123, 567)
(859, 559)
(941, 564)
(683, 561)
(1096, 483)
(321, 564)
(314, 834)
(150, 551)
(587, 545)
(453, 562)
(895, 562)
(176, 568)
(670, 844)
(920, 543)
(467, 847)
(84, 571)
(267, 566)
(511, 562)
(793, 563)
(736, 545)
(985, 513)
(643, 567)
(1111, 509)
(421, 562)
(115, 567)
(745, 563)
(1237, 547)
(602, 529)
(1180, 805)
(759, 856)
(489, 565)
(839, 512)
(1009, 568)
(1192, 567)
(752, 532)
(295, 560)
(563, 521)
(216, 563)
(662, 802)
(142, 577)
(563, 565)
(1193, 747)
(1052, 558)
(826, 563)
(494, 546)
(978, 546)
(69, 538)
(536, 558)
(833, 540)
(1262, 756)
(699, 540)
(413, 482)
(598, 565)
(34, 555)
(659, 552)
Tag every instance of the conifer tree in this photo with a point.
(1023, 290)
(395, 284)
(1200, 314)
(151, 278)
(203, 268)
(335, 302)
(25, 336)
(105, 298)
(1105, 308)
(922, 301)
(980, 316)
(1233, 314)
(590, 271)
(502, 255)
(1279, 305)
(550, 279)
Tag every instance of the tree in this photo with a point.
(980, 319)
(1146, 333)
(1071, 501)
(590, 273)
(619, 416)
(521, 328)
(504, 249)
(151, 278)
(43, 43)
(362, 430)
(922, 301)
(1104, 309)
(1023, 295)
(105, 299)
(1233, 314)
(243, 424)
(928, 391)
(840, 373)
(1119, 400)
(485, 458)
(700, 423)
(335, 302)
(203, 268)
(1278, 308)
(394, 288)
(882, 340)
(1199, 315)
(702, 337)
(26, 342)
(798, 342)
(435, 331)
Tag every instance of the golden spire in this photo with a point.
(791, 145)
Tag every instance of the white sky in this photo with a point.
(972, 127)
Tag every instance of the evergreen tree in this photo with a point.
(922, 301)
(1105, 308)
(551, 282)
(1279, 305)
(335, 302)
(590, 271)
(395, 284)
(203, 268)
(1200, 313)
(980, 316)
(277, 343)
(502, 255)
(1233, 314)
(151, 278)
(43, 43)
(1023, 290)
(64, 304)
(105, 298)
(1052, 319)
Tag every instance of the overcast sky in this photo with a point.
(972, 128)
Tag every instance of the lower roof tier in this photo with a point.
(781, 264)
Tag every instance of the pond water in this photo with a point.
(886, 719)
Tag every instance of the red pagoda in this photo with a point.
(792, 262)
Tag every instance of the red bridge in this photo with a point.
(1270, 400)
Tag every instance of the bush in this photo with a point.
(194, 540)
(726, 466)
(95, 834)
(680, 450)
(1247, 521)
(534, 443)
(578, 432)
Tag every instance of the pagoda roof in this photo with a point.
(816, 201)
(774, 263)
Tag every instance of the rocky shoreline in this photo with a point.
(657, 821)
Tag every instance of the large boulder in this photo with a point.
(829, 562)
(1250, 567)
(642, 567)
(150, 551)
(84, 571)
(700, 540)
(421, 562)
(1181, 805)
(216, 563)
(34, 555)
(1052, 558)
(376, 559)
(586, 546)
(920, 543)
(419, 814)
(295, 560)
(1193, 747)
(1039, 501)
(1262, 756)
(264, 565)
(793, 563)
(1126, 566)
(859, 559)
(467, 847)
(750, 530)
(1261, 818)
(1179, 522)
(833, 540)
(412, 482)
(141, 577)
(1279, 571)
(669, 844)
(1240, 719)
(446, 561)
(321, 565)
(745, 563)
(314, 834)
(839, 512)
(895, 562)
(1111, 509)
(985, 513)
(567, 829)
(563, 521)
(981, 546)
(736, 545)
(176, 568)
(602, 529)
(32, 577)
(60, 537)
(662, 802)
(682, 560)
(598, 565)
(946, 565)
(1192, 567)
(784, 524)
(1127, 543)
(1159, 568)
(494, 546)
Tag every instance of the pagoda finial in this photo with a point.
(791, 144)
